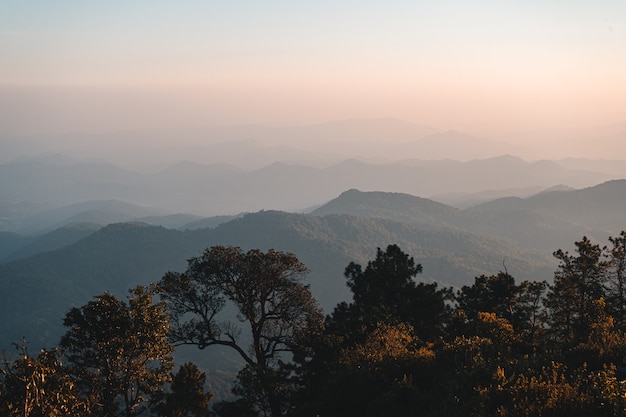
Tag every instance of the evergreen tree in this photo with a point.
(616, 279)
(529, 315)
(489, 294)
(386, 292)
(375, 357)
(578, 283)
(187, 397)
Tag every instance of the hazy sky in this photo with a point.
(481, 66)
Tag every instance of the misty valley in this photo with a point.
(312, 209)
(267, 280)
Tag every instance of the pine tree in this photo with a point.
(187, 396)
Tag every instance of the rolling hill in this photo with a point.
(393, 206)
(37, 291)
(593, 211)
(56, 239)
(453, 246)
(545, 221)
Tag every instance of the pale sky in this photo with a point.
(479, 66)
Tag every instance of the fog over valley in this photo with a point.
(287, 209)
(225, 171)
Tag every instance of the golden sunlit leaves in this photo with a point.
(387, 343)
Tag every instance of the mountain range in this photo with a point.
(233, 169)
(85, 213)
(27, 206)
(67, 266)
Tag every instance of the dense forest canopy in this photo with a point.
(400, 347)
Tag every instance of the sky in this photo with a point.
(491, 68)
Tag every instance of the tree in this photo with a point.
(38, 387)
(489, 294)
(377, 291)
(389, 374)
(529, 315)
(578, 283)
(520, 304)
(266, 289)
(118, 352)
(386, 291)
(187, 396)
(616, 291)
(375, 356)
(258, 392)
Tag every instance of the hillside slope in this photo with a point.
(546, 221)
(37, 291)
(594, 211)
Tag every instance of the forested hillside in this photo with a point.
(453, 245)
(313, 209)
(459, 313)
(397, 347)
(543, 220)
(123, 255)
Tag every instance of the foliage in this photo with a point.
(187, 396)
(38, 387)
(529, 316)
(118, 352)
(552, 392)
(263, 392)
(386, 291)
(494, 294)
(504, 349)
(399, 348)
(265, 288)
(616, 279)
(578, 282)
(378, 377)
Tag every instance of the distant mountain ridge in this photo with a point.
(210, 184)
(564, 213)
(601, 206)
(542, 221)
(56, 239)
(95, 211)
(37, 291)
(458, 146)
(370, 139)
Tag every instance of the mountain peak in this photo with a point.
(388, 205)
